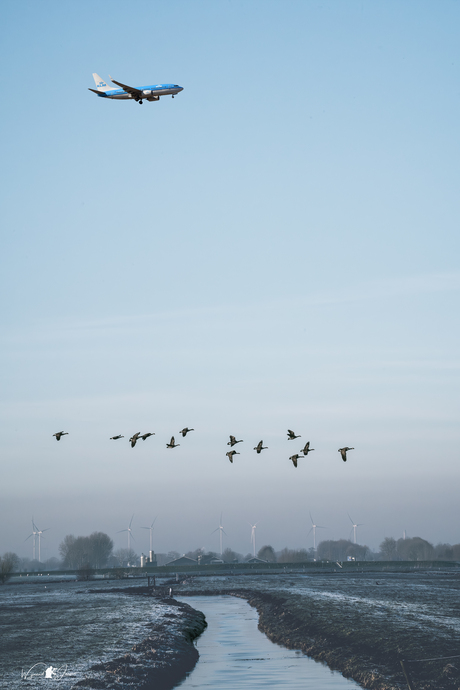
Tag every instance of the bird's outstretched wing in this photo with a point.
(135, 93)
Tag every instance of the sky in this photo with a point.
(276, 248)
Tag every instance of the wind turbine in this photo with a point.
(129, 530)
(313, 529)
(151, 532)
(221, 531)
(39, 533)
(359, 524)
(34, 535)
(253, 538)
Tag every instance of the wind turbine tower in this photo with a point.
(37, 533)
(151, 533)
(129, 530)
(253, 538)
(221, 531)
(355, 526)
(313, 529)
(34, 537)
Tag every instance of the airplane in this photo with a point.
(139, 94)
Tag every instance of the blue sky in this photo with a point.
(275, 248)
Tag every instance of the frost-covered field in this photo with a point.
(94, 635)
(68, 628)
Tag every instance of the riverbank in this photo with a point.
(361, 626)
(161, 660)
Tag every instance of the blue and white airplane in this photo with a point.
(139, 94)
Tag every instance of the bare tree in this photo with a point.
(267, 553)
(93, 551)
(388, 549)
(8, 563)
(126, 557)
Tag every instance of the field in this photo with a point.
(361, 624)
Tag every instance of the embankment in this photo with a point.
(160, 661)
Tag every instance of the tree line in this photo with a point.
(96, 551)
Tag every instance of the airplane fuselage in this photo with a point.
(151, 92)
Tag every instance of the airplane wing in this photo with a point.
(135, 93)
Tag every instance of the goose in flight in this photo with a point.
(291, 435)
(59, 434)
(172, 443)
(185, 431)
(144, 436)
(134, 438)
(343, 452)
(114, 438)
(231, 453)
(233, 442)
(306, 449)
(294, 459)
(260, 447)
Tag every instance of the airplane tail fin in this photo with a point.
(100, 84)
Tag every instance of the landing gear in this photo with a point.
(173, 96)
(140, 102)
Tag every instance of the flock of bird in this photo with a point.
(231, 453)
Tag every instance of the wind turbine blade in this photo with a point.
(131, 521)
(121, 530)
(350, 519)
(311, 530)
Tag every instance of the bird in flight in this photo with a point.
(231, 453)
(291, 435)
(294, 459)
(260, 447)
(134, 438)
(343, 452)
(233, 442)
(306, 449)
(172, 443)
(114, 438)
(59, 434)
(185, 431)
(144, 436)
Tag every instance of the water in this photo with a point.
(235, 654)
